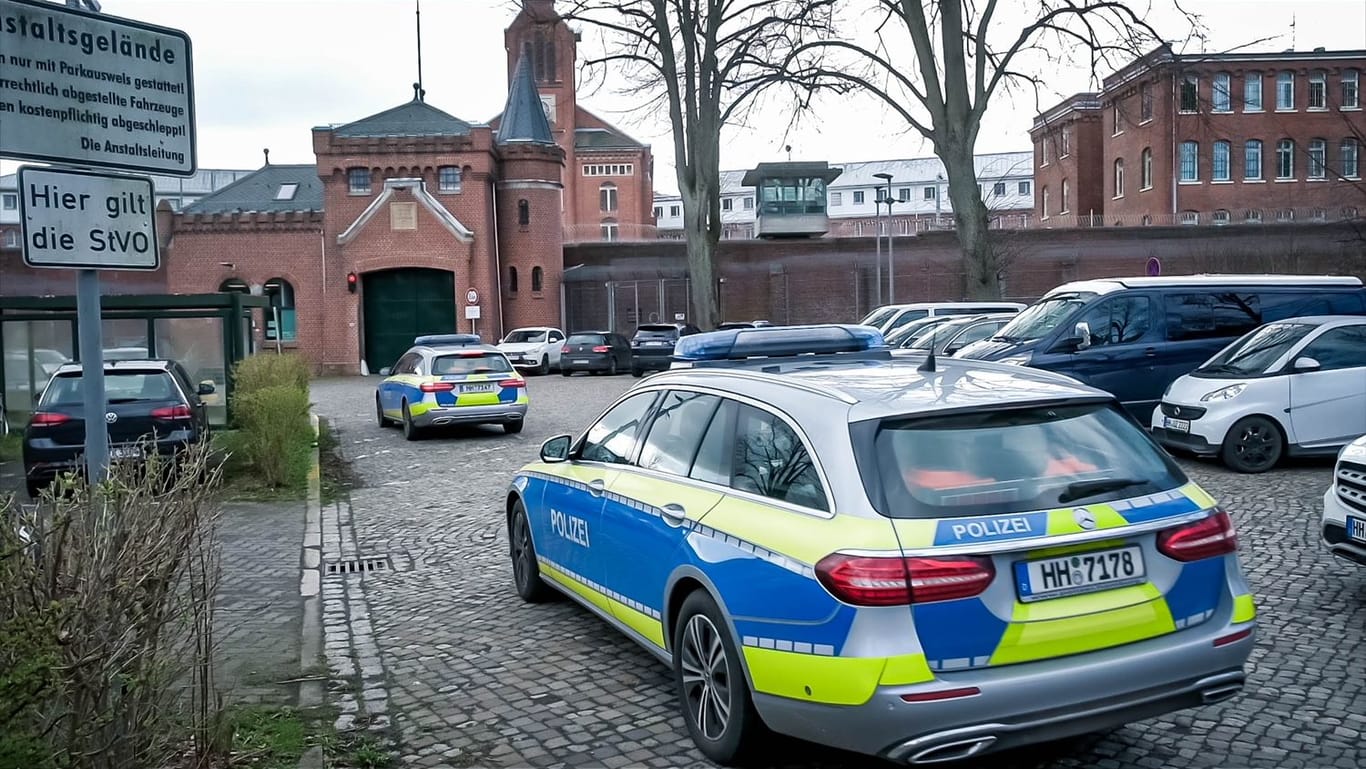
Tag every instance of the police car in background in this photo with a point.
(448, 379)
(919, 559)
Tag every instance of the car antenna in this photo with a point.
(928, 365)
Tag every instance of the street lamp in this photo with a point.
(891, 263)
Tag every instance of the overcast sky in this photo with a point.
(266, 71)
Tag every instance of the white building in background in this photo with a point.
(919, 191)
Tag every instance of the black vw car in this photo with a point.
(652, 347)
(595, 352)
(150, 403)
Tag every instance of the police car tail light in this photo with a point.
(513, 383)
(1203, 539)
(891, 581)
(437, 387)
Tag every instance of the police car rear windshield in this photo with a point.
(460, 365)
(1010, 461)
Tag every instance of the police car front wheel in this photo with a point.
(712, 690)
(526, 573)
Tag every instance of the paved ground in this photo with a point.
(471, 676)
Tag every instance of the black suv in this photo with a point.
(150, 403)
(652, 347)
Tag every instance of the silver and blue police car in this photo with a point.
(450, 379)
(917, 559)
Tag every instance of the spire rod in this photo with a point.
(419, 93)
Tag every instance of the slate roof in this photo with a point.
(603, 138)
(523, 118)
(416, 118)
(257, 192)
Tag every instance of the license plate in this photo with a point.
(1079, 573)
(1177, 425)
(579, 362)
(125, 452)
(485, 387)
(656, 344)
(1356, 528)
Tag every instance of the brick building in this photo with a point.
(1207, 139)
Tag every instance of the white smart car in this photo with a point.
(1344, 505)
(1295, 386)
(535, 348)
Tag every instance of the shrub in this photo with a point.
(269, 370)
(274, 433)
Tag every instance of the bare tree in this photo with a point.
(939, 64)
(707, 62)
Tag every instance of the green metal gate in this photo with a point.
(402, 304)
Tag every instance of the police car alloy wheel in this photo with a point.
(526, 574)
(712, 689)
(379, 413)
(410, 430)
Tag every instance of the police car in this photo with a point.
(450, 379)
(920, 559)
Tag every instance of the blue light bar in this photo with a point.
(777, 342)
(448, 339)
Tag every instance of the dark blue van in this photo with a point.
(1134, 336)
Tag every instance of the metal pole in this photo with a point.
(891, 262)
(877, 238)
(91, 334)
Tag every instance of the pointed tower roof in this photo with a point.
(523, 119)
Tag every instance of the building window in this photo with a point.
(543, 56)
(673, 211)
(1319, 215)
(11, 239)
(537, 279)
(448, 179)
(1220, 217)
(512, 280)
(1066, 148)
(1145, 101)
(1065, 207)
(904, 194)
(1044, 205)
(1252, 160)
(726, 204)
(358, 181)
(9, 201)
(609, 230)
(999, 189)
(931, 193)
(1351, 89)
(607, 197)
(1318, 90)
(1222, 101)
(1147, 220)
(1190, 94)
(1023, 188)
(1219, 168)
(1190, 217)
(1349, 212)
(236, 285)
(858, 197)
(1146, 172)
(523, 213)
(1045, 150)
(609, 169)
(749, 202)
(1117, 118)
(836, 199)
(1119, 178)
(1318, 155)
(1252, 92)
(1285, 91)
(1285, 159)
(659, 212)
(286, 191)
(1350, 153)
(280, 325)
(1285, 215)
(1190, 161)
(1253, 215)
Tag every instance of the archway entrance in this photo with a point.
(402, 304)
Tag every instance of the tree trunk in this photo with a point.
(701, 249)
(980, 260)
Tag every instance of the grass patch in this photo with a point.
(338, 479)
(11, 447)
(241, 481)
(274, 738)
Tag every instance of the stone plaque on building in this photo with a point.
(402, 216)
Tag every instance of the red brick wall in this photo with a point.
(530, 174)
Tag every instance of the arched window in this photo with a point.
(543, 56)
(1045, 203)
(280, 323)
(607, 197)
(1285, 159)
(609, 229)
(537, 277)
(1318, 159)
(512, 280)
(1119, 177)
(523, 213)
(1065, 208)
(1146, 181)
(234, 284)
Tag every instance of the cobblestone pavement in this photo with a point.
(470, 676)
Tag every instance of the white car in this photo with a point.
(536, 348)
(1295, 386)
(1344, 505)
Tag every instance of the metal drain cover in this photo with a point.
(360, 565)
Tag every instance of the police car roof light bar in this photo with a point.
(778, 342)
(447, 339)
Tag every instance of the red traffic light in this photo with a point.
(352, 281)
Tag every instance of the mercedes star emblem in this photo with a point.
(1085, 518)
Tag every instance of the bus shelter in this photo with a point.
(206, 333)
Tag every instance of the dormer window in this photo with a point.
(286, 191)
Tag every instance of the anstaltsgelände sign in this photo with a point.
(94, 90)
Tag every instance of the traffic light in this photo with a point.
(352, 281)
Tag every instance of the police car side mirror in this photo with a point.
(386, 371)
(556, 449)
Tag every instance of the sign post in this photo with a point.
(97, 92)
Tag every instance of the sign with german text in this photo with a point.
(87, 220)
(94, 90)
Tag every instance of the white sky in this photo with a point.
(266, 71)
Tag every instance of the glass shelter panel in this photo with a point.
(197, 343)
(33, 350)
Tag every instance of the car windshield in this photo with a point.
(586, 339)
(934, 334)
(1038, 320)
(1012, 461)
(119, 387)
(878, 317)
(657, 332)
(525, 336)
(1256, 350)
(910, 331)
(467, 363)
